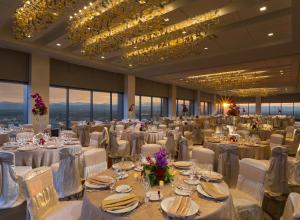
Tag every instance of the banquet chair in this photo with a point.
(42, 199)
(292, 143)
(118, 148)
(94, 161)
(104, 142)
(66, 173)
(95, 138)
(292, 207)
(148, 150)
(228, 163)
(276, 140)
(164, 128)
(10, 191)
(294, 169)
(183, 150)
(84, 135)
(169, 144)
(189, 137)
(207, 133)
(137, 141)
(276, 177)
(203, 157)
(290, 131)
(248, 194)
(197, 136)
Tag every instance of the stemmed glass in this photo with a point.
(147, 186)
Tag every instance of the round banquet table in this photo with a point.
(91, 208)
(255, 151)
(151, 137)
(38, 157)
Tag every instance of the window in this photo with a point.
(164, 110)
(145, 107)
(117, 106)
(275, 108)
(137, 106)
(265, 108)
(58, 106)
(101, 106)
(13, 108)
(187, 103)
(287, 108)
(243, 108)
(251, 108)
(156, 108)
(205, 108)
(297, 110)
(79, 105)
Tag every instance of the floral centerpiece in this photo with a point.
(39, 108)
(158, 170)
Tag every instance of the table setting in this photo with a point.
(160, 190)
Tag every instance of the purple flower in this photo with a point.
(161, 158)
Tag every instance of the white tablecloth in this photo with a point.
(151, 137)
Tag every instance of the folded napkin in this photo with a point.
(124, 165)
(121, 203)
(183, 164)
(180, 206)
(100, 180)
(212, 191)
(213, 176)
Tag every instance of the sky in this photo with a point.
(11, 92)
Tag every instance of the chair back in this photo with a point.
(228, 163)
(67, 179)
(39, 192)
(105, 138)
(95, 139)
(183, 151)
(276, 140)
(94, 161)
(189, 137)
(113, 143)
(197, 135)
(277, 179)
(251, 178)
(9, 188)
(171, 144)
(84, 135)
(292, 207)
(203, 157)
(290, 130)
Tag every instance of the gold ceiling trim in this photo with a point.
(37, 15)
(252, 92)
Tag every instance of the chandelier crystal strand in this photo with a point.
(35, 16)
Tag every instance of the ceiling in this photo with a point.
(242, 42)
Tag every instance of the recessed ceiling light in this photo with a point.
(89, 28)
(71, 17)
(75, 14)
(82, 51)
(183, 32)
(135, 47)
(205, 48)
(270, 34)
(130, 65)
(102, 57)
(58, 44)
(84, 7)
(281, 73)
(91, 3)
(142, 2)
(263, 8)
(166, 19)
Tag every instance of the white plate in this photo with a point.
(122, 176)
(153, 196)
(185, 172)
(192, 181)
(182, 192)
(117, 166)
(138, 169)
(120, 211)
(167, 202)
(222, 188)
(123, 189)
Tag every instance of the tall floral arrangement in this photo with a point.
(39, 107)
(158, 170)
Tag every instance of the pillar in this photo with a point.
(129, 94)
(214, 104)
(172, 101)
(197, 103)
(39, 82)
(258, 105)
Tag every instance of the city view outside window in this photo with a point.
(101, 108)
(13, 108)
(117, 106)
(137, 106)
(189, 105)
(147, 107)
(156, 108)
(58, 106)
(79, 105)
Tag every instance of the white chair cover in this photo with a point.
(183, 151)
(9, 187)
(292, 207)
(42, 200)
(189, 137)
(197, 135)
(95, 138)
(67, 178)
(276, 140)
(171, 144)
(118, 147)
(290, 130)
(249, 192)
(84, 135)
(276, 179)
(94, 161)
(137, 141)
(228, 163)
(104, 142)
(203, 157)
